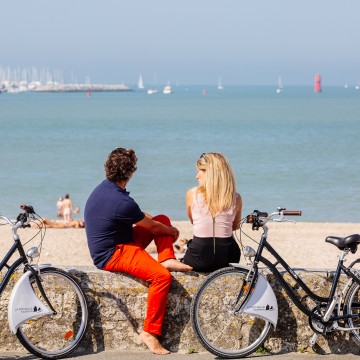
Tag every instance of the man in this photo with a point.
(116, 245)
(67, 208)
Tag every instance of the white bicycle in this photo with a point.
(47, 308)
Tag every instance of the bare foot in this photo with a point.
(153, 343)
(176, 265)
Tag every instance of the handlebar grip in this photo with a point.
(260, 213)
(27, 208)
(292, 212)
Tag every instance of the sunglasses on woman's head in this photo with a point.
(203, 156)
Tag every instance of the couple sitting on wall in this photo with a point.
(118, 231)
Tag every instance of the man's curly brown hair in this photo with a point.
(120, 164)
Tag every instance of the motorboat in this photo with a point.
(167, 89)
(152, 91)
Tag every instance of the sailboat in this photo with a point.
(220, 87)
(280, 87)
(140, 83)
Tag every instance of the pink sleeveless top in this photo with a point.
(203, 221)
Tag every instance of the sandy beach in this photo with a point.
(302, 244)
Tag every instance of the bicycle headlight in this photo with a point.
(249, 251)
(33, 252)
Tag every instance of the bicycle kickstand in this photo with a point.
(313, 339)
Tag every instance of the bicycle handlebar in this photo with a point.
(260, 218)
(280, 211)
(292, 212)
(27, 208)
(22, 220)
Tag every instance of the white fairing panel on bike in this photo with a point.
(262, 302)
(24, 304)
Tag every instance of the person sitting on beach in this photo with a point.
(61, 225)
(214, 209)
(59, 208)
(118, 233)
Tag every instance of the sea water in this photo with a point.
(295, 149)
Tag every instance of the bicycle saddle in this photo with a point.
(348, 242)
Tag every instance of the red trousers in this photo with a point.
(131, 258)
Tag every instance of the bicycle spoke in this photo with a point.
(222, 331)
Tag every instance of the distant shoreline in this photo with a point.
(55, 87)
(80, 88)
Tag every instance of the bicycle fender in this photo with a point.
(24, 304)
(262, 302)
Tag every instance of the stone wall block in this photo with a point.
(117, 307)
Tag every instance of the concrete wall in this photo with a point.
(117, 304)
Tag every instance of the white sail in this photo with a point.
(220, 87)
(140, 82)
(280, 87)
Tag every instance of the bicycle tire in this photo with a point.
(352, 306)
(56, 336)
(218, 329)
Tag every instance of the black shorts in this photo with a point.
(201, 256)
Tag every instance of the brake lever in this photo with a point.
(282, 219)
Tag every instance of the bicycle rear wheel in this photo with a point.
(219, 329)
(352, 305)
(56, 336)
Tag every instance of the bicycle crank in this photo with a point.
(320, 327)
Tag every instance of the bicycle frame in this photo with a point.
(17, 246)
(21, 287)
(329, 301)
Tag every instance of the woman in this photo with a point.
(59, 206)
(214, 209)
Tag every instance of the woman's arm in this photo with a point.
(189, 202)
(236, 223)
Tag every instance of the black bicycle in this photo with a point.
(47, 308)
(235, 308)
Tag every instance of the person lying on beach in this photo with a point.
(60, 225)
(117, 245)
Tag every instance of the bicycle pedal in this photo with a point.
(313, 339)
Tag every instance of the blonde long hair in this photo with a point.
(220, 187)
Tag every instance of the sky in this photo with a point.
(185, 42)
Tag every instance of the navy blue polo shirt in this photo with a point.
(109, 217)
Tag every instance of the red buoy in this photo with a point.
(317, 87)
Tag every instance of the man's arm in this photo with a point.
(157, 228)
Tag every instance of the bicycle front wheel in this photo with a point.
(352, 306)
(220, 330)
(57, 335)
